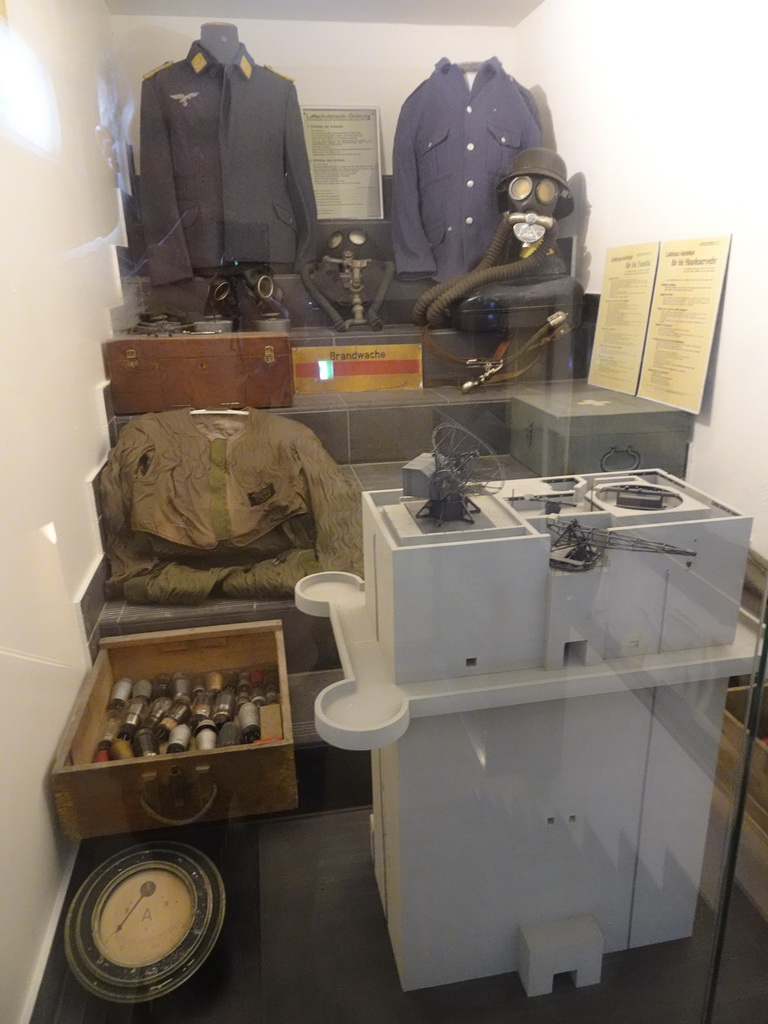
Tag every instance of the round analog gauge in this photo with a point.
(520, 188)
(144, 921)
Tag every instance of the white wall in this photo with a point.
(57, 211)
(660, 105)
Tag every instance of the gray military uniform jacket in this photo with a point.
(452, 145)
(224, 171)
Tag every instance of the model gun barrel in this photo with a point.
(573, 533)
(552, 496)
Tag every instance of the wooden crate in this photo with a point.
(157, 374)
(172, 789)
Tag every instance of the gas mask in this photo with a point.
(350, 252)
(352, 272)
(534, 194)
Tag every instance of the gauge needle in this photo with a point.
(146, 889)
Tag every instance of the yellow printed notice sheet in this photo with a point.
(622, 320)
(689, 284)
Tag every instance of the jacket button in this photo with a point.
(469, 110)
(470, 145)
(469, 220)
(470, 183)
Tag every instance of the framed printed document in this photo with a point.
(344, 149)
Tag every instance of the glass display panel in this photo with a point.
(424, 677)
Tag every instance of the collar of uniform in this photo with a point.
(200, 59)
(491, 66)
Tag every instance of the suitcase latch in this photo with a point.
(269, 354)
(130, 358)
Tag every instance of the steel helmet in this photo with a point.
(543, 163)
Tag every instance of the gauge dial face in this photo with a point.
(144, 918)
(144, 921)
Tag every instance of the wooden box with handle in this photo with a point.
(119, 796)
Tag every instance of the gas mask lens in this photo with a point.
(546, 191)
(520, 188)
(335, 240)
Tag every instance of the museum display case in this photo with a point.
(387, 652)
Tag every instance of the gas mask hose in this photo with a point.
(374, 320)
(337, 322)
(490, 258)
(433, 306)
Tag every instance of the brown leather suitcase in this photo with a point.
(156, 374)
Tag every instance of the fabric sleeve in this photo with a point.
(414, 259)
(167, 255)
(533, 110)
(336, 508)
(299, 182)
(125, 558)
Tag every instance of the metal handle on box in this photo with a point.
(176, 789)
(613, 450)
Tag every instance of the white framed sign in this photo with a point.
(344, 149)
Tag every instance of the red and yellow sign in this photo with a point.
(319, 369)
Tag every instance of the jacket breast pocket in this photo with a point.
(189, 217)
(504, 143)
(434, 155)
(285, 215)
(435, 231)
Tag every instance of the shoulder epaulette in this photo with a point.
(154, 71)
(278, 73)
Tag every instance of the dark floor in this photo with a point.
(305, 941)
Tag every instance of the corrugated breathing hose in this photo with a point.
(432, 307)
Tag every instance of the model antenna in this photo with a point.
(464, 466)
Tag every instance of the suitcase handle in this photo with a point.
(150, 779)
(629, 450)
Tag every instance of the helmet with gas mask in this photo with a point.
(522, 282)
(534, 193)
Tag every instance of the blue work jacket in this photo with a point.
(452, 145)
